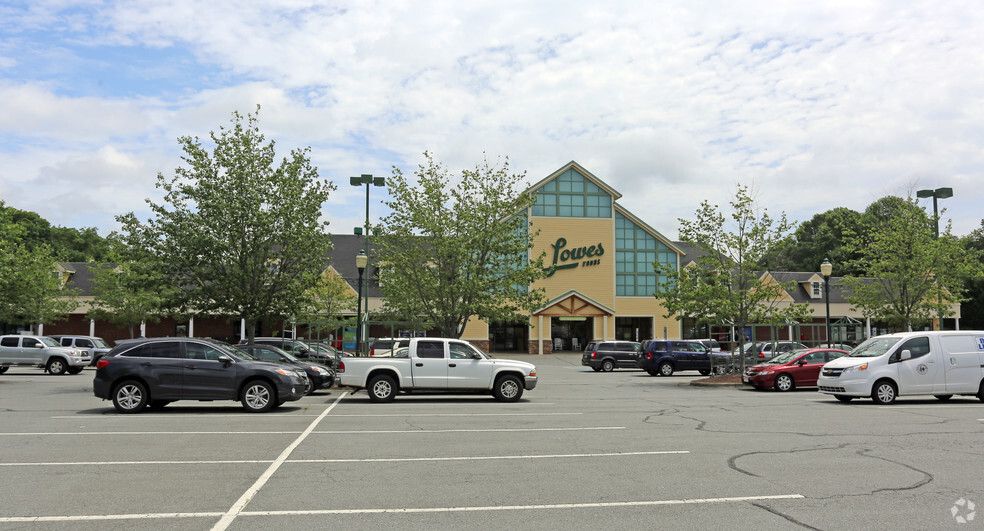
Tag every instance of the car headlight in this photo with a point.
(767, 372)
(321, 371)
(862, 367)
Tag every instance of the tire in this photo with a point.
(943, 398)
(310, 388)
(74, 370)
(130, 397)
(3, 369)
(596, 369)
(666, 369)
(844, 398)
(608, 366)
(508, 388)
(720, 369)
(158, 404)
(884, 392)
(381, 388)
(56, 366)
(652, 372)
(258, 397)
(704, 372)
(331, 381)
(784, 382)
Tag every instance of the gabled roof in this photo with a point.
(574, 294)
(580, 169)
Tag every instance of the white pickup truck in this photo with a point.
(438, 364)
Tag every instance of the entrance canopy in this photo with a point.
(573, 303)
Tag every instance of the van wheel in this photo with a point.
(381, 388)
(508, 388)
(666, 369)
(884, 392)
(844, 398)
(943, 398)
(608, 365)
(784, 382)
(57, 366)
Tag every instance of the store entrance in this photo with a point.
(504, 337)
(570, 334)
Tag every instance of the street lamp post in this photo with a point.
(365, 179)
(825, 269)
(939, 193)
(361, 260)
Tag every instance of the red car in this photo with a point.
(790, 370)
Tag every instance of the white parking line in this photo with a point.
(185, 415)
(237, 507)
(323, 432)
(405, 510)
(372, 460)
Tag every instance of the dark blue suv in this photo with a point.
(155, 372)
(663, 357)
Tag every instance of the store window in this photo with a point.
(635, 251)
(572, 195)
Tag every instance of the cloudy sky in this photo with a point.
(816, 106)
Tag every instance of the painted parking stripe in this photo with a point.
(185, 415)
(405, 510)
(372, 460)
(323, 432)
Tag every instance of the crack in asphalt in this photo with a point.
(785, 516)
(736, 468)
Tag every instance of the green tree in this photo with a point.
(326, 300)
(822, 237)
(453, 248)
(66, 244)
(907, 271)
(239, 233)
(972, 310)
(129, 289)
(32, 290)
(727, 284)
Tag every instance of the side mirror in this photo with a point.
(225, 360)
(801, 363)
(906, 355)
(476, 356)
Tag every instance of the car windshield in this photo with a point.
(874, 347)
(245, 355)
(100, 342)
(49, 342)
(785, 357)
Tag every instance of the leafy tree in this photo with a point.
(66, 244)
(453, 248)
(972, 310)
(32, 292)
(327, 299)
(822, 237)
(907, 271)
(240, 234)
(129, 289)
(726, 284)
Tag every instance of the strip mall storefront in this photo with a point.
(600, 279)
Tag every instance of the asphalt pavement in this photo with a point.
(584, 450)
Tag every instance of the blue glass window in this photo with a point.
(635, 252)
(572, 195)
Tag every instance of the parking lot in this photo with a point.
(584, 450)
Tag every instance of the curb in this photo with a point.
(698, 383)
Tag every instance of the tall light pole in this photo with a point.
(825, 269)
(361, 260)
(939, 193)
(365, 179)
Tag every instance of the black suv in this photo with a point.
(607, 355)
(156, 372)
(319, 376)
(662, 357)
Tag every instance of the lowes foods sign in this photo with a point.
(564, 258)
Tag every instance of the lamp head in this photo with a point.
(826, 268)
(943, 193)
(924, 193)
(361, 260)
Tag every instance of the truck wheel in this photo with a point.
(74, 370)
(666, 369)
(381, 388)
(57, 366)
(130, 397)
(508, 388)
(784, 382)
(608, 365)
(258, 397)
(884, 392)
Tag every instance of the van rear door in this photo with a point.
(963, 356)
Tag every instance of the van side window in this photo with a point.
(917, 347)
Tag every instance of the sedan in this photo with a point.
(319, 376)
(789, 370)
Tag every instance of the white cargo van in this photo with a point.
(941, 364)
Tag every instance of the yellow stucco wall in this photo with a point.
(594, 276)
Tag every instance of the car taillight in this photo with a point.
(341, 366)
(762, 355)
(594, 355)
(649, 355)
(102, 363)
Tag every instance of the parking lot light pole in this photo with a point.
(939, 193)
(365, 179)
(361, 260)
(826, 268)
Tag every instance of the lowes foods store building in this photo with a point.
(601, 281)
